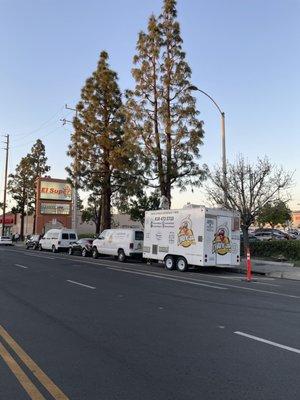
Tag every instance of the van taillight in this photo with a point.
(59, 242)
(131, 246)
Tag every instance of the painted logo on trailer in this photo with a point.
(221, 242)
(185, 235)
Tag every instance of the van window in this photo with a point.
(65, 236)
(139, 235)
(72, 236)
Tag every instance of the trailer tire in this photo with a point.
(181, 264)
(169, 263)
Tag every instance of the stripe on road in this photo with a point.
(51, 387)
(258, 339)
(81, 284)
(166, 277)
(25, 382)
(20, 265)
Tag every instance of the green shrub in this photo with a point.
(288, 249)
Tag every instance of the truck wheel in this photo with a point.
(182, 264)
(121, 255)
(95, 253)
(53, 249)
(169, 263)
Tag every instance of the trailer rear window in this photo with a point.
(139, 235)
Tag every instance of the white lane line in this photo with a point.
(25, 253)
(21, 266)
(80, 284)
(194, 279)
(281, 346)
(34, 255)
(166, 277)
(187, 279)
(264, 283)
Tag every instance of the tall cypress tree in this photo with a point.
(102, 156)
(161, 109)
(38, 161)
(21, 187)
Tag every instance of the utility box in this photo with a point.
(197, 236)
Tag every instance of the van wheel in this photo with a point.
(40, 247)
(53, 249)
(182, 264)
(169, 263)
(84, 253)
(121, 256)
(70, 251)
(95, 253)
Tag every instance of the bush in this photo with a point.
(278, 249)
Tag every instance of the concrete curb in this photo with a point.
(266, 262)
(284, 275)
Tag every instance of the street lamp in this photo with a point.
(224, 169)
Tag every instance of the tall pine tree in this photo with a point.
(161, 110)
(102, 155)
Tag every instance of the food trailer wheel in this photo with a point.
(182, 264)
(169, 263)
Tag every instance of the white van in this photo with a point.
(120, 243)
(57, 239)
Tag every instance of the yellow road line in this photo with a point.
(33, 367)
(28, 386)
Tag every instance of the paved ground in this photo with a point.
(74, 328)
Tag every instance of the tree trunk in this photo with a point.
(245, 238)
(105, 209)
(98, 221)
(106, 197)
(22, 214)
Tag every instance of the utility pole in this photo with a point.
(5, 183)
(75, 183)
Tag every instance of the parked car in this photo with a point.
(33, 242)
(252, 238)
(121, 243)
(82, 246)
(264, 236)
(57, 239)
(5, 241)
(274, 232)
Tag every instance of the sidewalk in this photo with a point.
(273, 269)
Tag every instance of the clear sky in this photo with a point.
(245, 53)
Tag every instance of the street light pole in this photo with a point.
(223, 140)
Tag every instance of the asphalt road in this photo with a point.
(75, 328)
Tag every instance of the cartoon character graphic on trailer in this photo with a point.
(221, 242)
(185, 235)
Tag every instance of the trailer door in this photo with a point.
(210, 257)
(222, 241)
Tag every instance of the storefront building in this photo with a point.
(54, 204)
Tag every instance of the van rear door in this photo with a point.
(138, 241)
(65, 240)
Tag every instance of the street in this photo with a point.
(83, 329)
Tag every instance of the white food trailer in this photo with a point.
(197, 236)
